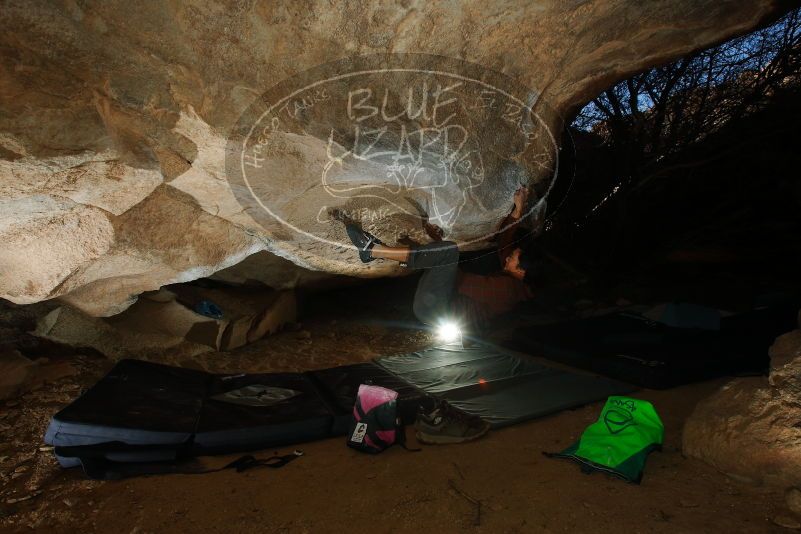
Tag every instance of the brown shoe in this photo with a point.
(446, 424)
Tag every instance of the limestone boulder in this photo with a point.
(750, 428)
(117, 122)
(15, 372)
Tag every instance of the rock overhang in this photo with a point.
(117, 118)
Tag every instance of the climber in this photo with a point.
(447, 294)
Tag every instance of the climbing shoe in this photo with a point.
(446, 424)
(364, 241)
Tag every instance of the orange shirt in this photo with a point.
(495, 293)
(486, 296)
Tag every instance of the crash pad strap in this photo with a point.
(96, 464)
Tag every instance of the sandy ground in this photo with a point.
(501, 483)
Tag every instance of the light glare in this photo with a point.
(449, 332)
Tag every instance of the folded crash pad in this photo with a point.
(137, 402)
(183, 411)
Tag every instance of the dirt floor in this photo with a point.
(500, 483)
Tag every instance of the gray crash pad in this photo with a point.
(501, 387)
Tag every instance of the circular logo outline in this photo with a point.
(277, 104)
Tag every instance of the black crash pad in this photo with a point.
(144, 403)
(137, 402)
(225, 427)
(646, 353)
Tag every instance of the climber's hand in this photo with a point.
(520, 200)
